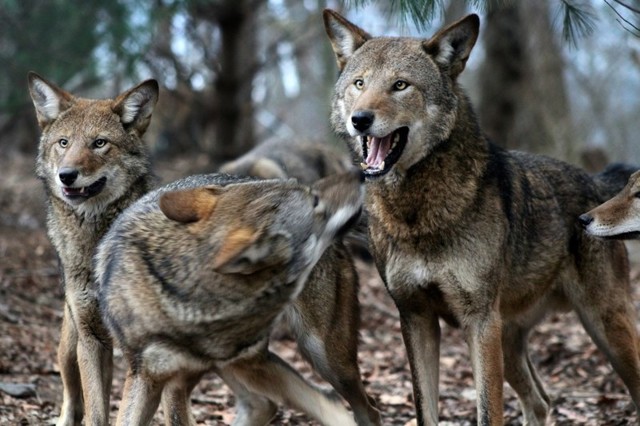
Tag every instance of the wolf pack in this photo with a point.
(191, 277)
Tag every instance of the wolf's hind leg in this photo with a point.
(522, 376)
(335, 357)
(71, 411)
(140, 400)
(271, 377)
(176, 399)
(251, 409)
(604, 303)
(613, 330)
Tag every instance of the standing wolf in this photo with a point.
(463, 230)
(193, 276)
(94, 164)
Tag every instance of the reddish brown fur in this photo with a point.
(463, 230)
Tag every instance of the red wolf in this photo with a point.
(93, 164)
(193, 276)
(487, 239)
(618, 217)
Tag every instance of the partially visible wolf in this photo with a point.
(618, 217)
(193, 276)
(93, 164)
(306, 161)
(280, 159)
(463, 230)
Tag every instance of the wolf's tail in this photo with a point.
(357, 239)
(613, 178)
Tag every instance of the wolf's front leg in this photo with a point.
(421, 334)
(95, 358)
(484, 337)
(71, 411)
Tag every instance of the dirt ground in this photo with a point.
(582, 385)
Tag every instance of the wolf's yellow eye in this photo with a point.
(359, 83)
(400, 85)
(63, 143)
(99, 143)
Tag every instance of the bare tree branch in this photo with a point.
(633, 9)
(622, 18)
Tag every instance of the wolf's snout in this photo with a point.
(362, 120)
(585, 220)
(68, 175)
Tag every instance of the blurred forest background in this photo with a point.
(551, 76)
(559, 77)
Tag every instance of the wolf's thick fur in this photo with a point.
(618, 217)
(461, 229)
(330, 297)
(193, 275)
(306, 161)
(94, 164)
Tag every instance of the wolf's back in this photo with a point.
(613, 178)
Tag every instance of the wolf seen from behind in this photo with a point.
(193, 276)
(325, 318)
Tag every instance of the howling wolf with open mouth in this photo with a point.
(487, 239)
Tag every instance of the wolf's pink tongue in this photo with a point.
(378, 150)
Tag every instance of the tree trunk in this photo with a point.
(523, 101)
(234, 82)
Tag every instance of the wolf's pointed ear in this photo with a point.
(48, 99)
(190, 205)
(246, 251)
(136, 105)
(452, 45)
(344, 36)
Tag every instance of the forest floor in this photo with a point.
(583, 388)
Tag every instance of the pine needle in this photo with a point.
(577, 21)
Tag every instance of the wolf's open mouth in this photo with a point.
(632, 235)
(85, 191)
(382, 153)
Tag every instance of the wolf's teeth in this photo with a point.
(396, 138)
(381, 166)
(368, 142)
(363, 166)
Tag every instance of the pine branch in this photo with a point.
(622, 20)
(577, 18)
(577, 21)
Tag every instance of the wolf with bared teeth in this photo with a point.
(461, 229)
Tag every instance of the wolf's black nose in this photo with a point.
(585, 220)
(68, 175)
(362, 120)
